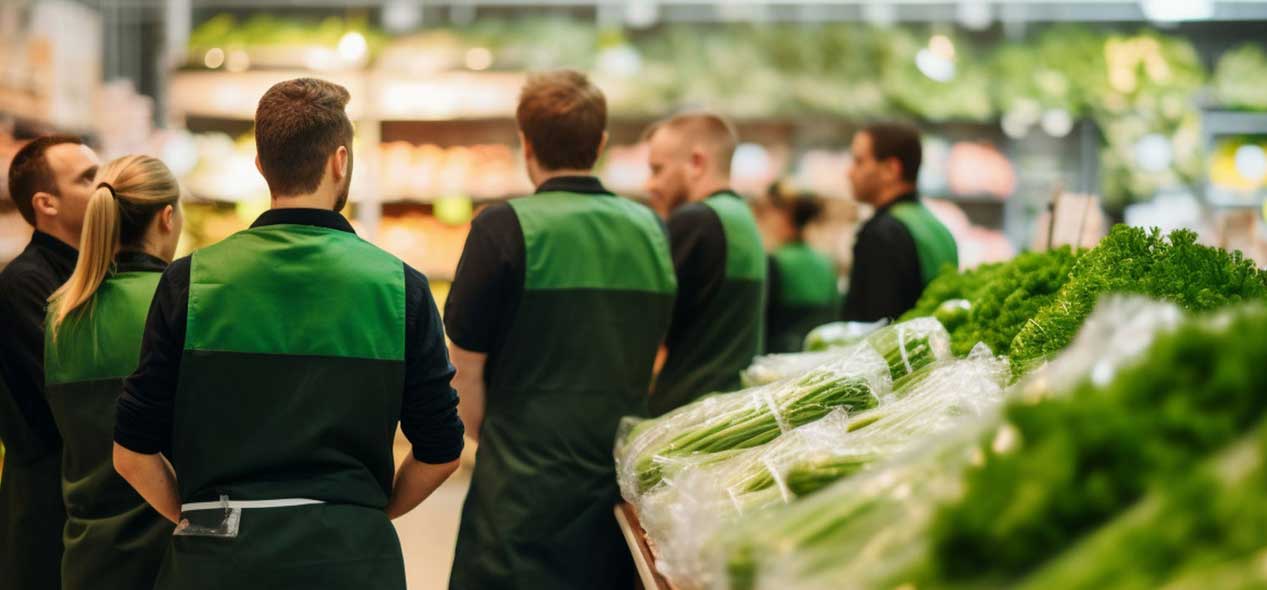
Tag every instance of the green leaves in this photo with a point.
(1132, 260)
(1085, 457)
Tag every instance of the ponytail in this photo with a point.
(803, 208)
(97, 245)
(130, 192)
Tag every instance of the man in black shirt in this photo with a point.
(50, 181)
(719, 316)
(275, 367)
(902, 247)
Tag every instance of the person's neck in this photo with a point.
(308, 201)
(154, 250)
(893, 194)
(544, 176)
(62, 234)
(708, 187)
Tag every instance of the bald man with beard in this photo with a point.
(719, 316)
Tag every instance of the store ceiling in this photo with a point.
(799, 10)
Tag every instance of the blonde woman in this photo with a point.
(113, 539)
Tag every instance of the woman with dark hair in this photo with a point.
(803, 292)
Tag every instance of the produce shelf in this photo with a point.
(643, 555)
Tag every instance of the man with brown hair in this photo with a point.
(719, 318)
(275, 367)
(50, 181)
(903, 247)
(560, 302)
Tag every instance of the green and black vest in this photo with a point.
(293, 370)
(597, 301)
(806, 297)
(934, 244)
(728, 332)
(113, 539)
(290, 387)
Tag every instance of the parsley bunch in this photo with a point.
(1132, 260)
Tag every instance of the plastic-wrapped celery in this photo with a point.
(906, 347)
(745, 418)
(910, 346)
(839, 334)
(776, 367)
(702, 498)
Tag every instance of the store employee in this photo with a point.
(803, 292)
(721, 267)
(903, 246)
(275, 366)
(50, 181)
(92, 340)
(560, 302)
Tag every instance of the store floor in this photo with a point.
(429, 532)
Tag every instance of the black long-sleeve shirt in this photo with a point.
(429, 416)
(26, 424)
(885, 281)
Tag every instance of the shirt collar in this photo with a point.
(911, 197)
(54, 246)
(301, 216)
(137, 261)
(726, 192)
(586, 185)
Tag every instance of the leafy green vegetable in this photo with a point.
(1238, 76)
(1132, 260)
(1076, 461)
(1002, 296)
(1212, 515)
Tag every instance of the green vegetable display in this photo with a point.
(1002, 297)
(1132, 260)
(750, 425)
(1212, 516)
(1080, 459)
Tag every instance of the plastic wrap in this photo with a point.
(861, 532)
(684, 517)
(723, 423)
(840, 334)
(907, 347)
(1120, 329)
(776, 367)
(872, 530)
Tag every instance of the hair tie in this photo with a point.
(110, 188)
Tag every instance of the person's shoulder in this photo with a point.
(25, 272)
(693, 218)
(177, 273)
(884, 226)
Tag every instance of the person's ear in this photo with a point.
(893, 167)
(339, 164)
(529, 153)
(167, 219)
(602, 144)
(45, 203)
(258, 165)
(698, 161)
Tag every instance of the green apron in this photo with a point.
(597, 302)
(27, 562)
(290, 387)
(730, 331)
(807, 297)
(934, 245)
(113, 539)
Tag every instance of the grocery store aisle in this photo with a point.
(428, 534)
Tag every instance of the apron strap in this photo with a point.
(245, 504)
